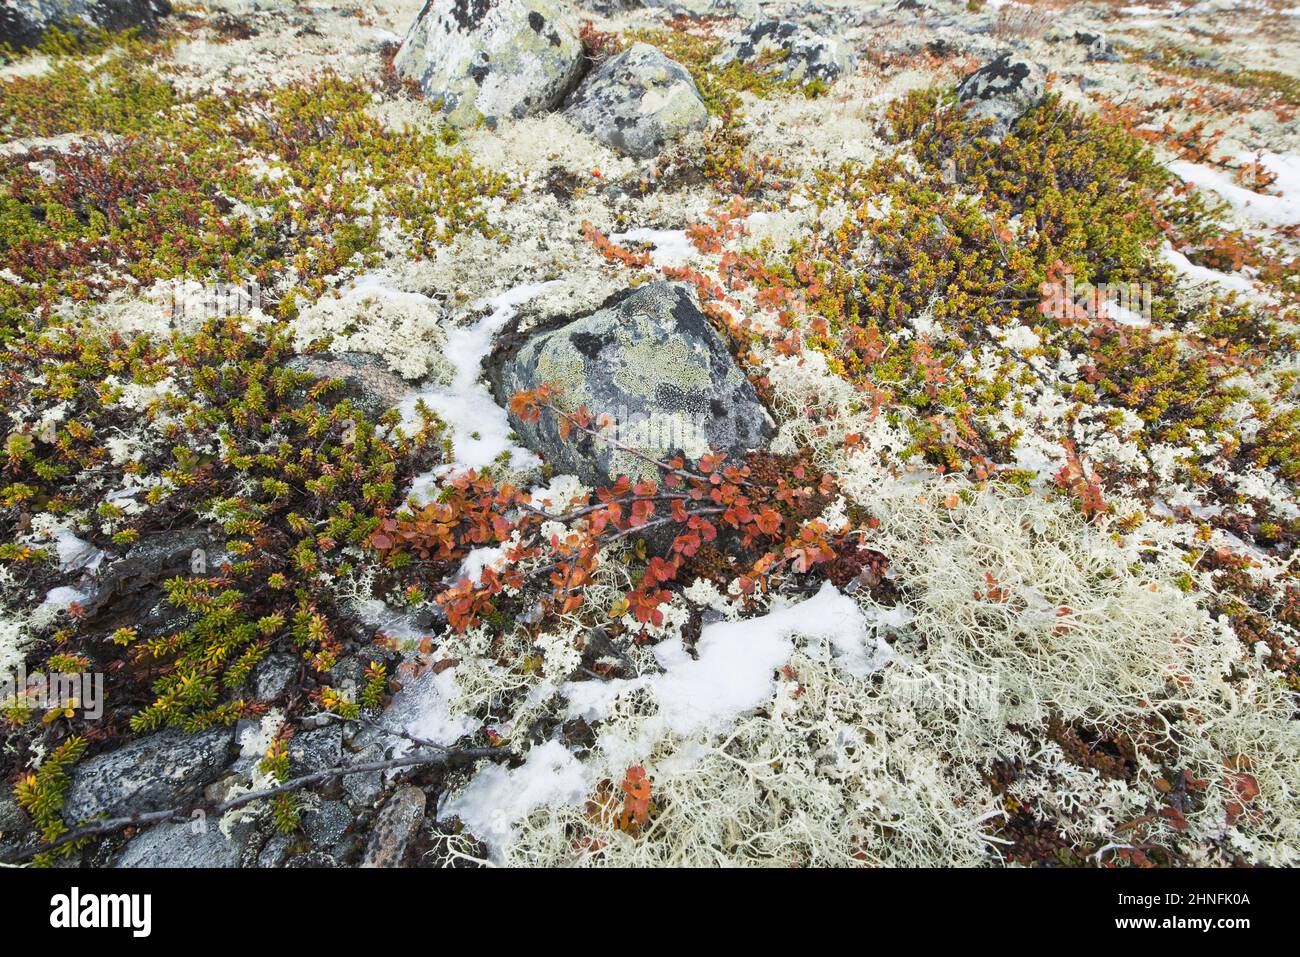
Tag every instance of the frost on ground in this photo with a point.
(1015, 581)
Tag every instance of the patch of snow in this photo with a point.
(497, 797)
(1259, 208)
(671, 247)
(1185, 267)
(480, 431)
(737, 662)
(423, 709)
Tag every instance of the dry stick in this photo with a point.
(107, 825)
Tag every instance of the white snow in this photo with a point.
(1260, 208)
(423, 709)
(735, 672)
(480, 431)
(671, 247)
(1186, 267)
(76, 555)
(737, 662)
(498, 797)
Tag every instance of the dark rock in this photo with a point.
(491, 59)
(187, 844)
(150, 774)
(131, 587)
(366, 379)
(396, 825)
(274, 675)
(805, 54)
(637, 101)
(24, 22)
(15, 828)
(1003, 91)
(364, 789)
(326, 824)
(276, 850)
(313, 859)
(698, 9)
(607, 8)
(655, 365)
(1099, 48)
(316, 750)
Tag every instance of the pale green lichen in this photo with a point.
(650, 364)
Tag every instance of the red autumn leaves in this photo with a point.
(692, 501)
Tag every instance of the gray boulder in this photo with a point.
(24, 22)
(805, 55)
(745, 9)
(491, 59)
(607, 8)
(655, 366)
(187, 844)
(637, 101)
(151, 774)
(1003, 91)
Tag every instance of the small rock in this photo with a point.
(1003, 91)
(187, 844)
(655, 365)
(150, 774)
(394, 828)
(491, 59)
(312, 859)
(364, 788)
(274, 675)
(24, 22)
(697, 9)
(637, 101)
(366, 380)
(14, 825)
(326, 824)
(1099, 48)
(316, 750)
(607, 8)
(276, 850)
(805, 54)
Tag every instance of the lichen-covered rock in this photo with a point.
(491, 59)
(150, 774)
(746, 9)
(195, 843)
(654, 365)
(24, 22)
(607, 8)
(1099, 48)
(1002, 91)
(637, 101)
(804, 54)
(396, 825)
